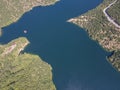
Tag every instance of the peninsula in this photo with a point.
(18, 70)
(23, 71)
(103, 26)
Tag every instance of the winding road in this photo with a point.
(108, 17)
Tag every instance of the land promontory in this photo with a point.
(23, 71)
(103, 26)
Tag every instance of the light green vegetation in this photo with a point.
(23, 71)
(12, 10)
(102, 30)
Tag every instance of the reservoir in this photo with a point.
(78, 62)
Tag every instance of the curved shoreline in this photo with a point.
(108, 17)
(25, 8)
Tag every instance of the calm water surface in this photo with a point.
(78, 62)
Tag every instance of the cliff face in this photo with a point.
(101, 29)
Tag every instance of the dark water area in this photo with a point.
(78, 62)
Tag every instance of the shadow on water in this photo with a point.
(78, 62)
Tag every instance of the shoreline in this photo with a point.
(13, 51)
(102, 29)
(17, 18)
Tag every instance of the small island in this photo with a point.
(103, 26)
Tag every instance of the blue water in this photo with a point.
(78, 62)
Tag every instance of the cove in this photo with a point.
(78, 62)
